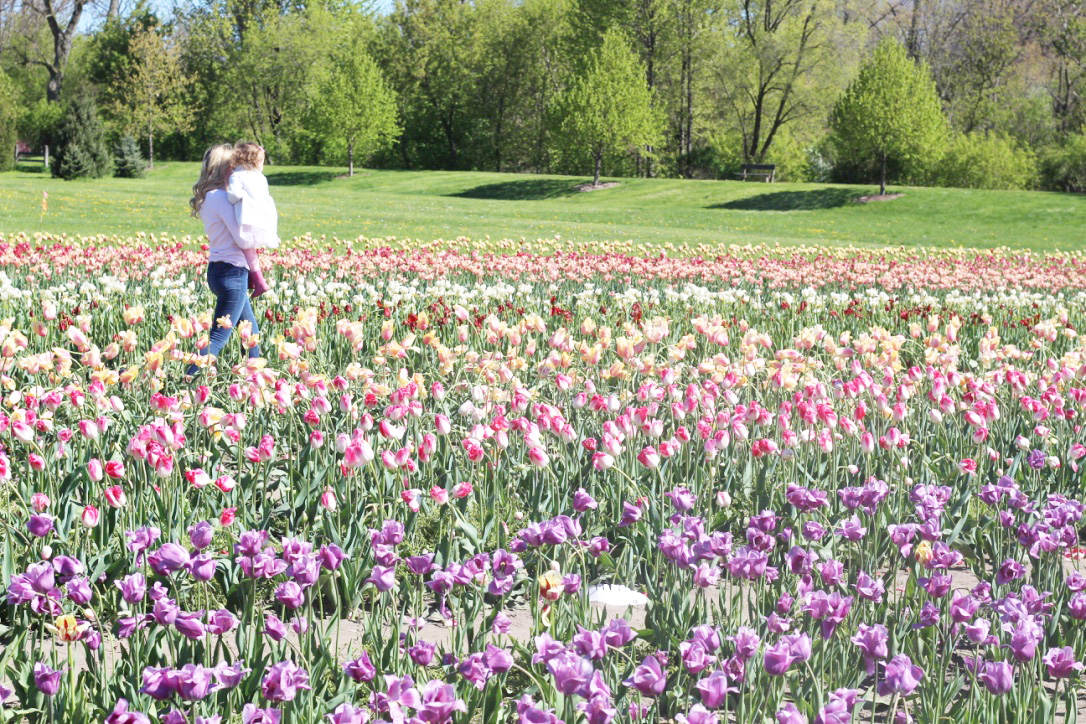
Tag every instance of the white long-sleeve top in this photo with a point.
(221, 225)
(258, 220)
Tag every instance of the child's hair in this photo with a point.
(246, 154)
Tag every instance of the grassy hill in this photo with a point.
(436, 204)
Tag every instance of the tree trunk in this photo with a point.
(599, 165)
(62, 46)
(350, 157)
(150, 147)
(52, 88)
(114, 10)
(882, 178)
(912, 40)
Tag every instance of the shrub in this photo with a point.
(129, 161)
(1063, 167)
(986, 161)
(82, 149)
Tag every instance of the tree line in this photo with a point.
(990, 92)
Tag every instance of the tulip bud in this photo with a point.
(39, 501)
(328, 499)
(115, 496)
(89, 517)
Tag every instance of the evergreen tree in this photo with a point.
(130, 162)
(82, 148)
(890, 113)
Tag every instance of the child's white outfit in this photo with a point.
(258, 221)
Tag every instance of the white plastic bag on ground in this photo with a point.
(611, 595)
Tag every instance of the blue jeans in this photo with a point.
(230, 285)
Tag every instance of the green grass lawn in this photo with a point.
(436, 204)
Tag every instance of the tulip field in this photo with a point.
(847, 483)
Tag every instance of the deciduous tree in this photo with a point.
(608, 107)
(890, 111)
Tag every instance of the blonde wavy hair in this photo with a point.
(216, 168)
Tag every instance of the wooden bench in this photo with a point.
(758, 171)
(23, 152)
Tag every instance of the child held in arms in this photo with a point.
(258, 220)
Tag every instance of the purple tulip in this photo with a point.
(274, 628)
(529, 713)
(305, 570)
(79, 591)
(590, 644)
(582, 501)
(704, 634)
(165, 611)
(746, 642)
(852, 529)
(193, 682)
(67, 567)
(40, 525)
(200, 535)
(46, 679)
(421, 565)
(290, 594)
(250, 714)
(1061, 663)
(777, 659)
(121, 714)
(1036, 459)
(361, 669)
(698, 714)
(133, 588)
(789, 714)
(1024, 639)
(648, 678)
(546, 648)
(422, 653)
(283, 681)
(871, 640)
(714, 689)
(202, 567)
(682, 499)
(1009, 570)
(190, 625)
(157, 683)
(501, 624)
(630, 515)
(696, 659)
(331, 556)
(900, 676)
(799, 645)
(221, 622)
(997, 677)
(383, 577)
(571, 672)
(168, 558)
(598, 709)
(229, 676)
(347, 714)
(499, 660)
(439, 702)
